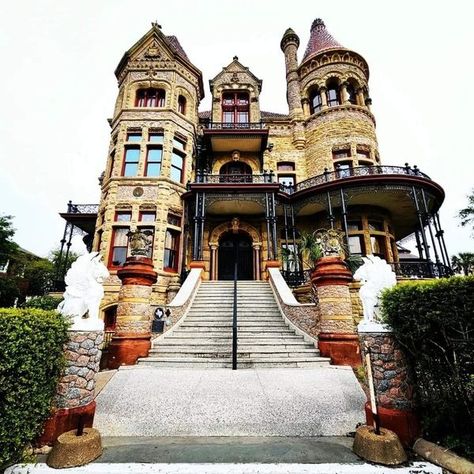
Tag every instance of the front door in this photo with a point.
(234, 247)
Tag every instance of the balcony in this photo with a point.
(244, 136)
(83, 216)
(358, 171)
(256, 178)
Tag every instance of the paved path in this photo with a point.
(143, 401)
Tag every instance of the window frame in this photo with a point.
(182, 102)
(153, 97)
(115, 229)
(125, 162)
(235, 107)
(150, 148)
(176, 236)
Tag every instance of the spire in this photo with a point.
(320, 39)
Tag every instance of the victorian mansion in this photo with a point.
(206, 183)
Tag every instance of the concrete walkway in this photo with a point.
(143, 401)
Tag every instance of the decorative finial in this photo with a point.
(155, 23)
(235, 58)
(318, 23)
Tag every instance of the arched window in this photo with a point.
(315, 101)
(182, 105)
(150, 98)
(235, 108)
(333, 93)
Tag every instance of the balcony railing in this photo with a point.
(82, 208)
(421, 270)
(235, 126)
(345, 173)
(260, 178)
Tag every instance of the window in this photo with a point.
(132, 157)
(179, 144)
(150, 98)
(171, 250)
(344, 169)
(285, 178)
(123, 216)
(134, 137)
(376, 225)
(356, 245)
(177, 161)
(354, 225)
(182, 105)
(147, 216)
(119, 249)
(363, 154)
(155, 137)
(153, 162)
(235, 108)
(341, 154)
(175, 220)
(290, 257)
(333, 93)
(315, 102)
(286, 166)
(378, 245)
(112, 162)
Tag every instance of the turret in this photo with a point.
(289, 45)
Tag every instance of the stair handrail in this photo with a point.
(234, 314)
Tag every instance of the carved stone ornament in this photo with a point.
(138, 191)
(235, 225)
(153, 52)
(331, 241)
(139, 242)
(235, 77)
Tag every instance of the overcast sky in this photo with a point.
(58, 88)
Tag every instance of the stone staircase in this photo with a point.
(204, 337)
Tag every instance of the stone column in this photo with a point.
(256, 256)
(393, 383)
(132, 338)
(337, 338)
(214, 263)
(344, 94)
(75, 391)
(360, 97)
(324, 97)
(306, 109)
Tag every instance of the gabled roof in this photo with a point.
(236, 66)
(171, 46)
(320, 39)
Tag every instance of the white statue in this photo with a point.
(84, 291)
(375, 275)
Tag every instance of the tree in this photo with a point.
(463, 263)
(467, 214)
(54, 258)
(8, 248)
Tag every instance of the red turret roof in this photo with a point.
(320, 39)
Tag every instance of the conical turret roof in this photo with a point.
(320, 39)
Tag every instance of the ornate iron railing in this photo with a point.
(421, 270)
(296, 278)
(235, 126)
(260, 178)
(347, 173)
(82, 208)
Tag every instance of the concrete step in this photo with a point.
(244, 331)
(242, 347)
(225, 352)
(240, 323)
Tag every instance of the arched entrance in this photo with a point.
(235, 172)
(235, 247)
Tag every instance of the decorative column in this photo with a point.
(337, 339)
(132, 338)
(344, 94)
(306, 110)
(324, 97)
(74, 398)
(360, 97)
(256, 259)
(393, 383)
(214, 263)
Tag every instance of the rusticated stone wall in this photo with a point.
(335, 307)
(76, 386)
(393, 380)
(357, 308)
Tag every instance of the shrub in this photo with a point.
(42, 302)
(434, 322)
(31, 361)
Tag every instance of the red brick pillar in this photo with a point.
(132, 338)
(393, 383)
(75, 392)
(337, 339)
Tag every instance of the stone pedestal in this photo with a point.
(132, 338)
(75, 392)
(393, 383)
(337, 339)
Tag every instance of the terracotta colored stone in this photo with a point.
(330, 271)
(343, 349)
(126, 350)
(137, 271)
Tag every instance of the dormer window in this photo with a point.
(150, 98)
(235, 108)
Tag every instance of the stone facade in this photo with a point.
(83, 353)
(393, 381)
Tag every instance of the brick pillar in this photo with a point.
(75, 392)
(132, 338)
(337, 339)
(393, 383)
